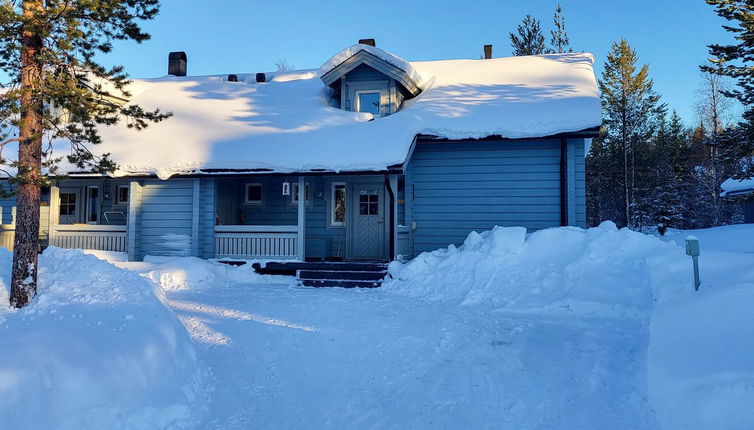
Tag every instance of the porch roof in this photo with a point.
(287, 126)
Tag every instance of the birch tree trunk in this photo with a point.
(26, 245)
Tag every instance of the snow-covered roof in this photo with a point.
(732, 187)
(412, 79)
(286, 124)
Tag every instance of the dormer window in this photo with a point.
(364, 78)
(367, 101)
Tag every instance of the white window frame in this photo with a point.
(246, 200)
(118, 201)
(294, 193)
(87, 202)
(333, 185)
(357, 100)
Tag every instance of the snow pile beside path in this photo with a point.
(731, 238)
(188, 273)
(701, 360)
(568, 268)
(97, 349)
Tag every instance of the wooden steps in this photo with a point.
(330, 274)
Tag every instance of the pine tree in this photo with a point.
(530, 40)
(631, 110)
(736, 145)
(558, 37)
(57, 91)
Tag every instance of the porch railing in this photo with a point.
(85, 236)
(256, 241)
(7, 235)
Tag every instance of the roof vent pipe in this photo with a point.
(369, 42)
(487, 52)
(261, 77)
(177, 63)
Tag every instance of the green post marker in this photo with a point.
(692, 249)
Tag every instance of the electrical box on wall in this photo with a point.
(286, 188)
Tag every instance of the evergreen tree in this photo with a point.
(58, 91)
(558, 37)
(736, 145)
(530, 40)
(631, 110)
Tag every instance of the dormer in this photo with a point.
(365, 78)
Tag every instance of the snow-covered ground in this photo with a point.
(562, 328)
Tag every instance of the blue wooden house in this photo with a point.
(370, 157)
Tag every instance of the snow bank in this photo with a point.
(186, 273)
(731, 238)
(97, 348)
(559, 268)
(701, 359)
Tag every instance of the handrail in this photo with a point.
(91, 228)
(256, 229)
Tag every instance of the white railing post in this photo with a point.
(54, 214)
(301, 238)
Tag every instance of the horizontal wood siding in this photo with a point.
(165, 221)
(457, 187)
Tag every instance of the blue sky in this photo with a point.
(234, 36)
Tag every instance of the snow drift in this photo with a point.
(188, 273)
(96, 349)
(559, 268)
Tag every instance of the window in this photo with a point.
(92, 205)
(367, 101)
(338, 209)
(294, 194)
(67, 204)
(253, 195)
(121, 195)
(369, 203)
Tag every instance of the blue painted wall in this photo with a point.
(454, 188)
(165, 217)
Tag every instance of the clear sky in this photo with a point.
(237, 36)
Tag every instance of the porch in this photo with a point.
(342, 217)
(89, 214)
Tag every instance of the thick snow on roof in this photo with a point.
(286, 124)
(733, 187)
(405, 66)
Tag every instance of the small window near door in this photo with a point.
(121, 194)
(368, 101)
(253, 194)
(67, 204)
(294, 194)
(92, 205)
(338, 210)
(369, 203)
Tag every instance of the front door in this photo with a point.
(368, 215)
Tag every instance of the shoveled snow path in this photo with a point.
(290, 357)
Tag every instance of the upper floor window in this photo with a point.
(367, 101)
